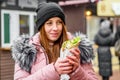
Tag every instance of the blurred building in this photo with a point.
(105, 9)
(18, 17)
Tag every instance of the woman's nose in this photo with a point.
(55, 26)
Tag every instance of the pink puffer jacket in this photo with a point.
(41, 70)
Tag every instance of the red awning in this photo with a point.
(72, 2)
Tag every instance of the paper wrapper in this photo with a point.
(63, 55)
(65, 52)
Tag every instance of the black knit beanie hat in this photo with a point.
(46, 11)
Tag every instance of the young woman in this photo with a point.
(38, 57)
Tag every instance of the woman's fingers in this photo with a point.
(76, 54)
(63, 66)
(75, 51)
(70, 63)
(75, 58)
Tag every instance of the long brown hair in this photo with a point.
(55, 52)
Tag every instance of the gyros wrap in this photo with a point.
(66, 46)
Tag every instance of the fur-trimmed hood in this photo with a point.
(23, 52)
(85, 47)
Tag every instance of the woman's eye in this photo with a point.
(49, 23)
(59, 22)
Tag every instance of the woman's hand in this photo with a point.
(75, 58)
(63, 66)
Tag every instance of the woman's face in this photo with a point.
(53, 28)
